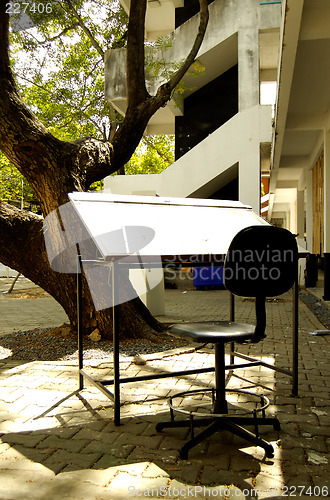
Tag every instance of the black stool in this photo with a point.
(261, 262)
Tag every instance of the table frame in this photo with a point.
(116, 381)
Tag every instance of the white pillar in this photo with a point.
(149, 285)
(301, 232)
(249, 176)
(301, 214)
(327, 192)
(248, 62)
(293, 217)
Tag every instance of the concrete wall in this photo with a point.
(232, 37)
(234, 148)
(202, 170)
(242, 17)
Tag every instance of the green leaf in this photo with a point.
(14, 188)
(153, 155)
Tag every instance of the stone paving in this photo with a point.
(58, 443)
(30, 313)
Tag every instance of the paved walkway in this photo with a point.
(56, 443)
(38, 311)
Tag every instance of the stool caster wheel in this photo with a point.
(277, 426)
(183, 453)
(269, 451)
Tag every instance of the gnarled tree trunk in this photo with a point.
(55, 168)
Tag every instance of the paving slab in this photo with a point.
(59, 443)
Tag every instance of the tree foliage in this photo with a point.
(60, 71)
(60, 74)
(13, 188)
(59, 65)
(153, 155)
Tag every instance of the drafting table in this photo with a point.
(121, 231)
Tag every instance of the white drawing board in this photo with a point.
(161, 226)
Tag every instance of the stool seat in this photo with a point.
(220, 331)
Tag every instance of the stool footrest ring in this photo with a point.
(264, 403)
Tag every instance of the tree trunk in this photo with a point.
(22, 230)
(54, 168)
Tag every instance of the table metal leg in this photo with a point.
(115, 337)
(295, 361)
(115, 396)
(79, 324)
(232, 318)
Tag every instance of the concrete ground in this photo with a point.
(58, 443)
(37, 310)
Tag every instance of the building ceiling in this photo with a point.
(303, 107)
(311, 80)
(299, 142)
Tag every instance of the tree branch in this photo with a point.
(169, 86)
(22, 247)
(26, 227)
(141, 106)
(26, 142)
(20, 129)
(94, 160)
(56, 37)
(4, 39)
(136, 87)
(83, 26)
(41, 87)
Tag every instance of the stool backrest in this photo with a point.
(261, 262)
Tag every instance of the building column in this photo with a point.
(248, 66)
(287, 219)
(293, 217)
(326, 215)
(309, 210)
(249, 177)
(301, 215)
(301, 232)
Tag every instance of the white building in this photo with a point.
(300, 175)
(226, 140)
(222, 132)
